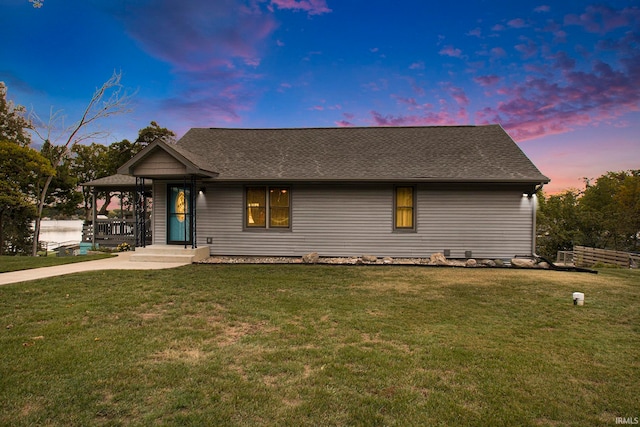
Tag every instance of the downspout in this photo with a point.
(534, 235)
(534, 206)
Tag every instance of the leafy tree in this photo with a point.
(605, 215)
(20, 169)
(89, 163)
(152, 132)
(97, 161)
(13, 124)
(121, 152)
(611, 207)
(628, 200)
(558, 223)
(63, 197)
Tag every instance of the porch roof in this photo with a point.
(117, 182)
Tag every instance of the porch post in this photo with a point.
(94, 224)
(140, 213)
(194, 202)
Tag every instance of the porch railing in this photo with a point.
(112, 232)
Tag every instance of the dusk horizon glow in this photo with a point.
(562, 78)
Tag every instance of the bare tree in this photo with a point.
(108, 100)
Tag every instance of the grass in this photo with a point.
(15, 263)
(320, 345)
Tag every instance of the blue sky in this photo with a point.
(563, 78)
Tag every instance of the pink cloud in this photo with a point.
(451, 51)
(542, 8)
(411, 103)
(376, 86)
(458, 94)
(417, 66)
(312, 7)
(560, 36)
(517, 23)
(498, 52)
(528, 49)
(603, 19)
(441, 118)
(347, 121)
(540, 106)
(563, 61)
(489, 80)
(415, 87)
(212, 48)
(476, 32)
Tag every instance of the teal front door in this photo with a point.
(179, 215)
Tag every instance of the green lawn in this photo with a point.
(15, 263)
(320, 345)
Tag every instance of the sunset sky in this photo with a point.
(562, 77)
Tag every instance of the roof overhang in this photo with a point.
(160, 160)
(115, 182)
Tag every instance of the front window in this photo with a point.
(279, 207)
(256, 207)
(278, 201)
(404, 208)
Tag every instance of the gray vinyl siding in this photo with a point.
(159, 216)
(352, 220)
(160, 163)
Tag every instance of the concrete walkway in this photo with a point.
(121, 262)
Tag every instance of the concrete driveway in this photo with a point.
(121, 262)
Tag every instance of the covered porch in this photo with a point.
(130, 227)
(177, 182)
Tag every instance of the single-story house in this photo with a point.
(466, 191)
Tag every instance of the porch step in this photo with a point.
(168, 253)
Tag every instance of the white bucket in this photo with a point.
(578, 298)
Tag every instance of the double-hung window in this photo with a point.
(404, 208)
(268, 207)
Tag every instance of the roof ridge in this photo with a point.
(348, 127)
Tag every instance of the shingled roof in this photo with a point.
(421, 154)
(115, 182)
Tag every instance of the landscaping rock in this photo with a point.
(455, 263)
(438, 259)
(523, 263)
(311, 258)
(369, 258)
(314, 258)
(543, 265)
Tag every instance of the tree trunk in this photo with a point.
(104, 208)
(36, 231)
(1, 233)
